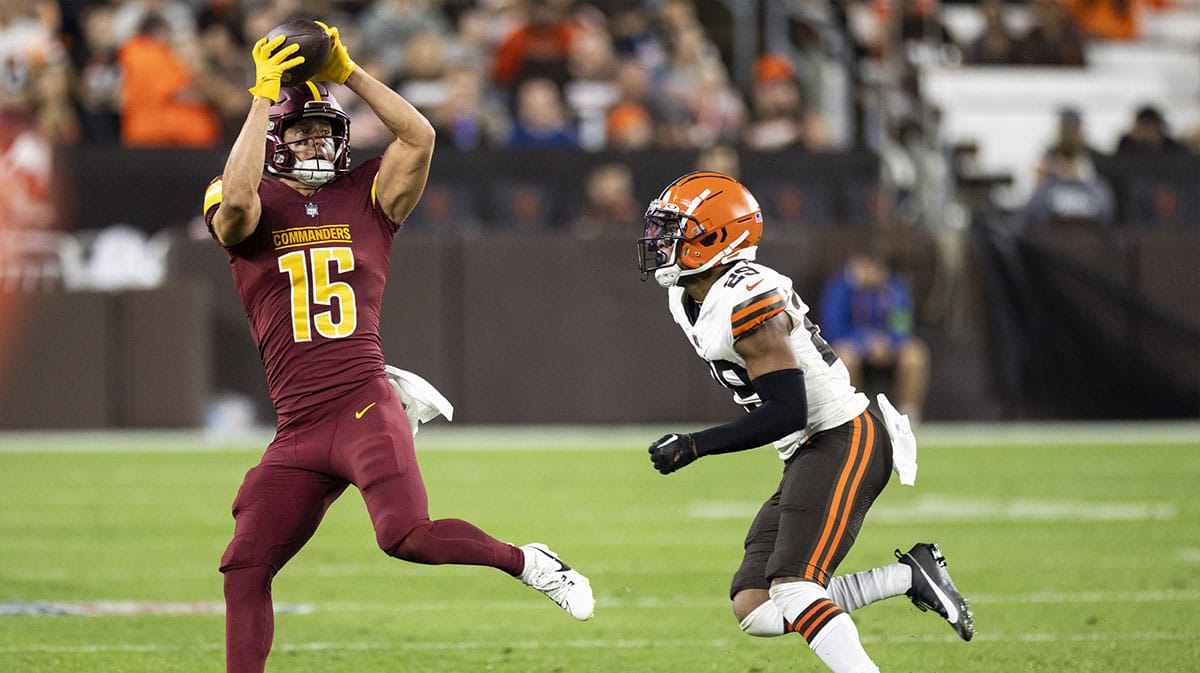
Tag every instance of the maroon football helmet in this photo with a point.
(308, 100)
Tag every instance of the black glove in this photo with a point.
(671, 452)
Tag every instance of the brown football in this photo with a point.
(314, 47)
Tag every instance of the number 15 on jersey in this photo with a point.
(314, 290)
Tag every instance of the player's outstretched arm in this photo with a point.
(405, 166)
(240, 209)
(776, 377)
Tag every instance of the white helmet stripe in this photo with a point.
(697, 201)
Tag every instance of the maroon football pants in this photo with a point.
(362, 439)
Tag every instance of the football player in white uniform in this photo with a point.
(744, 319)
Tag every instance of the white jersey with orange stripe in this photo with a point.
(743, 298)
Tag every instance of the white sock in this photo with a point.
(839, 647)
(530, 563)
(860, 589)
(831, 634)
(765, 622)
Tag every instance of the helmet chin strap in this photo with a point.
(313, 172)
(669, 276)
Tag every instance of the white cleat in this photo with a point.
(547, 573)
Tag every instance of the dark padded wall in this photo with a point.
(58, 371)
(536, 328)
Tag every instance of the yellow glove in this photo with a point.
(269, 67)
(339, 65)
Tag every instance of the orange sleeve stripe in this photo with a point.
(755, 311)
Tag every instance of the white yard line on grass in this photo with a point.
(115, 608)
(599, 644)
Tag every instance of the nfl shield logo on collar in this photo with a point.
(310, 209)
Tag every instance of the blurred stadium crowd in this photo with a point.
(624, 74)
(598, 75)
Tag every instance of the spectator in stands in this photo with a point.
(223, 71)
(924, 37)
(1068, 188)
(423, 75)
(54, 113)
(716, 110)
(630, 122)
(867, 26)
(592, 65)
(98, 94)
(1071, 140)
(779, 116)
(130, 15)
(695, 103)
(610, 203)
(28, 199)
(1106, 19)
(996, 44)
(27, 41)
(470, 117)
(634, 37)
(541, 118)
(720, 158)
(475, 29)
(867, 316)
(1052, 38)
(629, 127)
(161, 104)
(1069, 193)
(1163, 196)
(538, 48)
(1149, 135)
(388, 26)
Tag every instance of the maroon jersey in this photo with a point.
(311, 277)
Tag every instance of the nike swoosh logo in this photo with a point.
(359, 414)
(561, 566)
(951, 608)
(751, 286)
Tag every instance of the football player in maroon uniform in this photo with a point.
(309, 248)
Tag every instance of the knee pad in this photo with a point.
(764, 622)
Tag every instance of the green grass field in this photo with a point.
(1079, 548)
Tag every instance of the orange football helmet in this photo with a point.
(701, 220)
